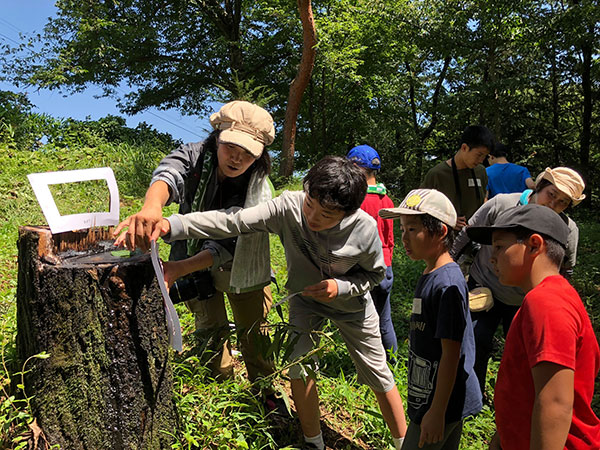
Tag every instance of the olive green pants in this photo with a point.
(250, 310)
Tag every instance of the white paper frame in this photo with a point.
(58, 224)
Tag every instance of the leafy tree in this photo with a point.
(178, 54)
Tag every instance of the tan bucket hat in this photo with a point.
(566, 180)
(424, 201)
(244, 124)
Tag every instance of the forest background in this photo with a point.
(405, 77)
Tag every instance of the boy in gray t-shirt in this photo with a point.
(334, 258)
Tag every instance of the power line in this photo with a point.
(14, 27)
(8, 38)
(174, 124)
(162, 118)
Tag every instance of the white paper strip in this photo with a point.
(173, 325)
(283, 300)
(58, 224)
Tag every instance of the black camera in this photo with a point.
(198, 285)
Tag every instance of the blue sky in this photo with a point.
(29, 17)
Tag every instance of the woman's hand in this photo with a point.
(172, 272)
(324, 291)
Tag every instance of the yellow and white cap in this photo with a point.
(424, 201)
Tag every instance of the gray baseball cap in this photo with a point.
(537, 218)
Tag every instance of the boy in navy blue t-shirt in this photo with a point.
(442, 386)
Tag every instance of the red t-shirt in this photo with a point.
(372, 204)
(552, 325)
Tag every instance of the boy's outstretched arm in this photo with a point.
(265, 217)
(553, 406)
(433, 423)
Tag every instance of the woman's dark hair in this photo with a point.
(434, 228)
(336, 183)
(262, 165)
(541, 185)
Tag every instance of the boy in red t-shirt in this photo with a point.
(551, 357)
(368, 160)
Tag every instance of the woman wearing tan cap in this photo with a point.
(557, 189)
(229, 169)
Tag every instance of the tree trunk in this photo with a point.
(309, 37)
(586, 122)
(555, 109)
(107, 383)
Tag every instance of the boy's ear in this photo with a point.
(444, 231)
(464, 148)
(535, 243)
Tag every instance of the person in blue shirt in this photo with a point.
(505, 177)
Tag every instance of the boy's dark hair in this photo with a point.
(434, 227)
(554, 249)
(336, 183)
(500, 150)
(262, 165)
(477, 136)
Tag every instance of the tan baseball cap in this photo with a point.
(244, 124)
(424, 201)
(566, 180)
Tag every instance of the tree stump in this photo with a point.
(107, 383)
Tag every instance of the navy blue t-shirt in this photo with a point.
(441, 311)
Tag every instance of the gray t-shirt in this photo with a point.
(482, 270)
(350, 253)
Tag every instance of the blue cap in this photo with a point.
(365, 156)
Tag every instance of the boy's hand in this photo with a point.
(432, 427)
(141, 228)
(324, 291)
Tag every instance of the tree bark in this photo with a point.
(298, 86)
(107, 383)
(586, 122)
(555, 107)
(423, 135)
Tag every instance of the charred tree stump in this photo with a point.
(107, 383)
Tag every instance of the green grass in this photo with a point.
(228, 415)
